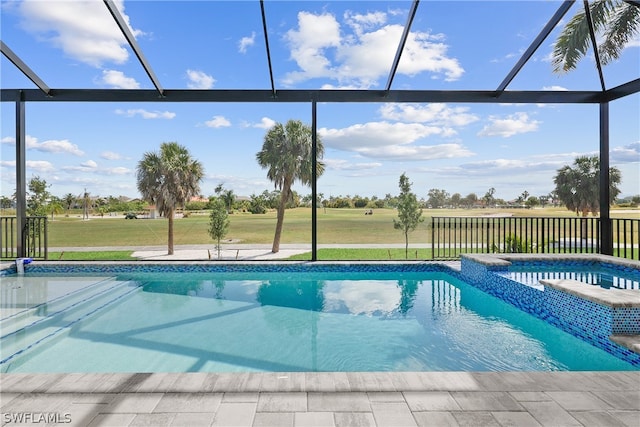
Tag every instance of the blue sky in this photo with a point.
(453, 45)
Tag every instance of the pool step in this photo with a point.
(39, 306)
(40, 329)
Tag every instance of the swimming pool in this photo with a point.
(273, 317)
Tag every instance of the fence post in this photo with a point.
(433, 245)
(21, 180)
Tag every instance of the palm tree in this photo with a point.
(578, 186)
(168, 179)
(615, 21)
(54, 207)
(286, 153)
(69, 199)
(228, 197)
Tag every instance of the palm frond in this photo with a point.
(574, 41)
(624, 26)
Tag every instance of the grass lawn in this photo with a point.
(91, 256)
(342, 254)
(335, 226)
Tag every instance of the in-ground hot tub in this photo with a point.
(606, 316)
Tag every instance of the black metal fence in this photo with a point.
(452, 236)
(34, 235)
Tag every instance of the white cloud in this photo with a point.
(92, 167)
(245, 42)
(368, 297)
(110, 155)
(358, 58)
(505, 57)
(423, 54)
(633, 43)
(117, 80)
(117, 171)
(436, 114)
(80, 168)
(49, 146)
(39, 166)
(361, 22)
(199, 80)
(626, 154)
(507, 165)
(315, 33)
(265, 123)
(218, 122)
(8, 164)
(84, 30)
(90, 164)
(146, 114)
(383, 140)
(511, 125)
(341, 164)
(555, 87)
(54, 146)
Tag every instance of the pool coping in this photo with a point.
(257, 382)
(505, 259)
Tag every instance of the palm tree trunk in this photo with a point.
(170, 236)
(284, 196)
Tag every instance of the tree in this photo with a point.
(86, 204)
(54, 207)
(523, 197)
(532, 202)
(286, 154)
(38, 196)
(5, 202)
(578, 188)
(437, 198)
(615, 23)
(257, 204)
(409, 212)
(218, 222)
(69, 200)
(229, 198)
(544, 200)
(470, 200)
(456, 199)
(489, 200)
(168, 179)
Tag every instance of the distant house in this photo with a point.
(152, 212)
(198, 199)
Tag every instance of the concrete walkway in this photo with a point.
(324, 399)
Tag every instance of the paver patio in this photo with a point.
(325, 399)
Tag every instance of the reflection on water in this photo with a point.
(366, 296)
(604, 279)
(214, 322)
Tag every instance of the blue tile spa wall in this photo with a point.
(591, 322)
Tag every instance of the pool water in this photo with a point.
(602, 275)
(284, 322)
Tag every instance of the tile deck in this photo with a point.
(323, 399)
